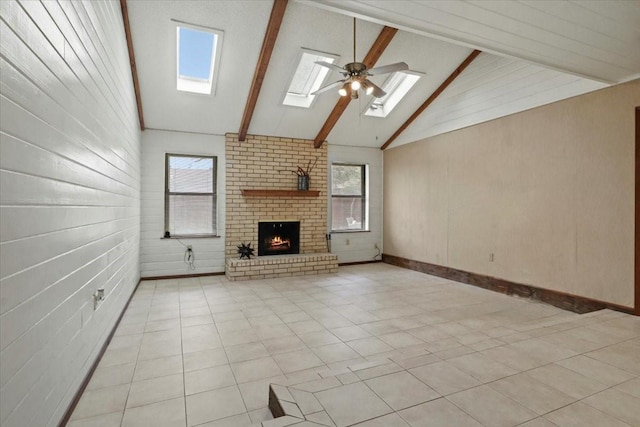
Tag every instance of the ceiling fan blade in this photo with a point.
(328, 87)
(331, 66)
(385, 69)
(377, 91)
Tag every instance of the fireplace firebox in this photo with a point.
(278, 238)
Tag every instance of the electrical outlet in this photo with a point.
(491, 257)
(376, 246)
(347, 242)
(98, 296)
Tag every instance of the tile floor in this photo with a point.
(372, 344)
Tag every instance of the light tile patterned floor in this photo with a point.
(369, 341)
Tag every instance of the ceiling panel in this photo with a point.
(535, 52)
(153, 32)
(493, 87)
(432, 57)
(554, 33)
(311, 28)
(435, 59)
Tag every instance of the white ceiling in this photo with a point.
(535, 52)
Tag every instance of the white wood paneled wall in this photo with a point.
(359, 246)
(70, 198)
(165, 257)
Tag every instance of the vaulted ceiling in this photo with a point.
(533, 53)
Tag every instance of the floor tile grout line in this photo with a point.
(498, 391)
(470, 415)
(235, 379)
(576, 400)
(184, 380)
(124, 410)
(327, 304)
(599, 410)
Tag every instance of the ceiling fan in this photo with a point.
(356, 73)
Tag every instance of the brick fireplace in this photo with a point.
(269, 163)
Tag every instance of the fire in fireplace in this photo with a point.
(278, 238)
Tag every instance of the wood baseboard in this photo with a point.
(87, 378)
(574, 303)
(636, 255)
(344, 264)
(183, 276)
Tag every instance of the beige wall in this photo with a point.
(549, 192)
(266, 162)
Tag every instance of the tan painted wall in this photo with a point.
(549, 191)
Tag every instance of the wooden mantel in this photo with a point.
(280, 193)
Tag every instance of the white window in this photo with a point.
(198, 52)
(349, 201)
(190, 195)
(396, 86)
(308, 78)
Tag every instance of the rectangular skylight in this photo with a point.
(198, 52)
(308, 78)
(397, 86)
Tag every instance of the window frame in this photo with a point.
(364, 168)
(291, 99)
(395, 95)
(187, 85)
(168, 194)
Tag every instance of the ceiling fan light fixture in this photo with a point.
(368, 87)
(356, 73)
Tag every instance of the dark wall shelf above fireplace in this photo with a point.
(280, 193)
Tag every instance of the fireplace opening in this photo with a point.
(278, 238)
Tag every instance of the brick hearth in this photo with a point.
(281, 266)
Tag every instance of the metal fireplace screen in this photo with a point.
(278, 238)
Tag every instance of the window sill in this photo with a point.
(192, 236)
(349, 231)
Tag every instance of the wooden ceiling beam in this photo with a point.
(433, 96)
(132, 60)
(273, 28)
(381, 43)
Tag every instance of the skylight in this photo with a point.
(308, 78)
(198, 53)
(397, 86)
